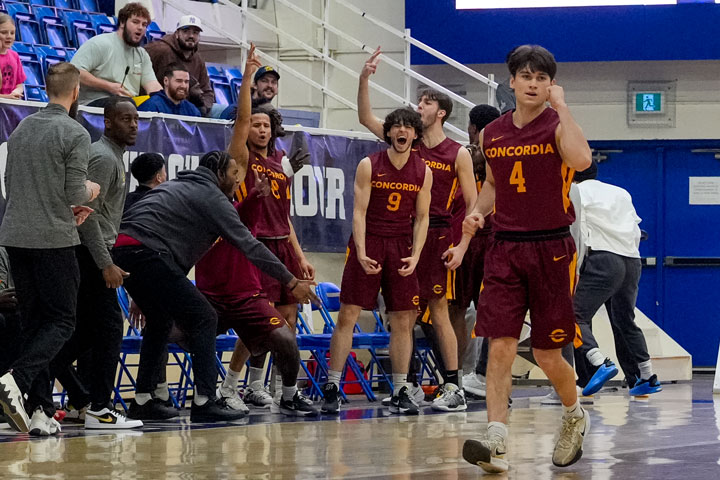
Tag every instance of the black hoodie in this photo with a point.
(184, 217)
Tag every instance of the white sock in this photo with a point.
(595, 357)
(399, 380)
(255, 377)
(231, 379)
(200, 400)
(142, 398)
(645, 369)
(497, 429)
(288, 392)
(334, 377)
(573, 410)
(161, 392)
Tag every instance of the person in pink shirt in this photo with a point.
(13, 75)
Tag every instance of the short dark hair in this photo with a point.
(174, 67)
(403, 116)
(111, 105)
(61, 79)
(217, 161)
(444, 101)
(131, 9)
(275, 121)
(534, 57)
(482, 115)
(589, 173)
(146, 166)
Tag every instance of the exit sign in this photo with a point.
(649, 102)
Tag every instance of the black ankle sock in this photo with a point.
(451, 376)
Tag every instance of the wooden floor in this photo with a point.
(673, 435)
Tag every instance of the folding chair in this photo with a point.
(318, 345)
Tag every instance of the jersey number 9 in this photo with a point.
(394, 201)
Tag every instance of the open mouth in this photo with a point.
(401, 141)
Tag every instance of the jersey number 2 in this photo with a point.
(516, 177)
(394, 201)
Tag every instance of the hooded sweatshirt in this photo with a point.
(186, 216)
(166, 51)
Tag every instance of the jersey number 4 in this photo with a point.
(394, 201)
(516, 177)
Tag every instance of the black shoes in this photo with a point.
(331, 403)
(155, 409)
(214, 411)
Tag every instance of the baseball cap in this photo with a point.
(267, 69)
(189, 21)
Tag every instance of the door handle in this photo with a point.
(691, 261)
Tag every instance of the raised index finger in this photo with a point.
(375, 55)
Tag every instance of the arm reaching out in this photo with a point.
(365, 115)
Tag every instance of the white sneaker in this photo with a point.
(258, 396)
(11, 400)
(41, 425)
(568, 448)
(472, 384)
(416, 393)
(232, 399)
(74, 415)
(487, 454)
(107, 419)
(451, 400)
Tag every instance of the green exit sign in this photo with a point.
(649, 102)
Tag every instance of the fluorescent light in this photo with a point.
(490, 4)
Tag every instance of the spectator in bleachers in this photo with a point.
(182, 47)
(172, 98)
(113, 63)
(149, 170)
(13, 75)
(265, 89)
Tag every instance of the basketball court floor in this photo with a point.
(672, 435)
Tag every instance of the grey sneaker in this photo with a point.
(258, 396)
(416, 392)
(232, 399)
(403, 403)
(568, 448)
(488, 454)
(473, 385)
(452, 399)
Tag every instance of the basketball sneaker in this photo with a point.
(299, 406)
(473, 385)
(11, 400)
(41, 425)
(404, 403)
(488, 454)
(153, 409)
(232, 398)
(416, 392)
(451, 400)
(604, 372)
(214, 411)
(646, 386)
(568, 448)
(108, 419)
(331, 400)
(258, 396)
(75, 415)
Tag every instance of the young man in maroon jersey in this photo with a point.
(532, 154)
(451, 167)
(390, 222)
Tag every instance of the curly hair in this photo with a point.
(131, 9)
(275, 120)
(406, 117)
(217, 161)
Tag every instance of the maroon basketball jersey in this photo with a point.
(225, 272)
(391, 208)
(441, 160)
(266, 217)
(532, 183)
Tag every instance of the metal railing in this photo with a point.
(329, 62)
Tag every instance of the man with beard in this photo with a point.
(390, 224)
(46, 177)
(99, 322)
(182, 47)
(265, 89)
(113, 63)
(171, 99)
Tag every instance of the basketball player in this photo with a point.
(392, 187)
(532, 153)
(451, 167)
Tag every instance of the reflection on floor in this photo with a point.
(672, 435)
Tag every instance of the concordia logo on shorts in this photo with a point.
(416, 300)
(558, 335)
(274, 321)
(437, 288)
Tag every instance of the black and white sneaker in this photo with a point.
(331, 401)
(108, 419)
(154, 409)
(299, 406)
(404, 403)
(214, 411)
(451, 400)
(43, 426)
(12, 403)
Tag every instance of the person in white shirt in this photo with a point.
(610, 274)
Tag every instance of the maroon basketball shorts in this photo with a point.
(435, 279)
(253, 319)
(538, 275)
(469, 275)
(358, 288)
(276, 292)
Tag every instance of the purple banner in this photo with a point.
(322, 191)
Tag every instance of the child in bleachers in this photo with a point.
(13, 75)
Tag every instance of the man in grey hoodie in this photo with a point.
(162, 236)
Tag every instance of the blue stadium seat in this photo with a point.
(234, 76)
(64, 4)
(14, 8)
(42, 11)
(50, 56)
(33, 72)
(28, 30)
(83, 34)
(25, 51)
(38, 2)
(36, 93)
(88, 5)
(152, 35)
(214, 69)
(76, 21)
(223, 94)
(56, 33)
(102, 23)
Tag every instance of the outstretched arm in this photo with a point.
(238, 142)
(365, 114)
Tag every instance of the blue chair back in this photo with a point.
(66, 4)
(35, 93)
(56, 35)
(329, 295)
(88, 5)
(223, 94)
(29, 31)
(33, 72)
(15, 8)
